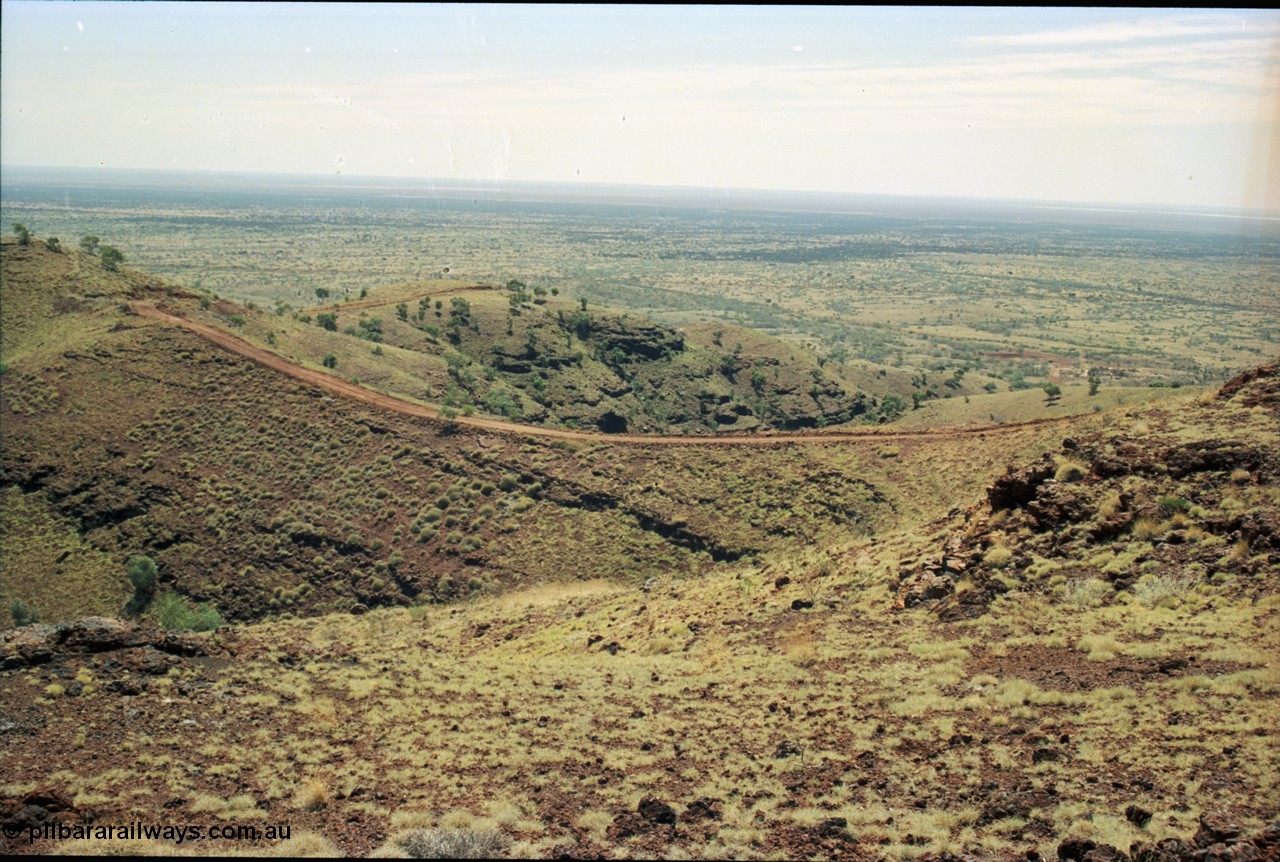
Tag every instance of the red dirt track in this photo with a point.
(351, 391)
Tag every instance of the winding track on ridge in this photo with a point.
(352, 392)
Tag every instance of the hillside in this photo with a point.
(530, 357)
(535, 358)
(1006, 643)
(263, 495)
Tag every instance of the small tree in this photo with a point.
(322, 293)
(22, 613)
(89, 244)
(21, 232)
(329, 361)
(142, 576)
(53, 244)
(892, 406)
(328, 320)
(728, 365)
(111, 258)
(1052, 392)
(461, 311)
(1094, 383)
(402, 311)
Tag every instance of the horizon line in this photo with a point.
(1158, 208)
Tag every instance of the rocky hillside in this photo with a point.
(538, 359)
(1143, 510)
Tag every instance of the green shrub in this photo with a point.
(22, 613)
(173, 613)
(329, 361)
(142, 574)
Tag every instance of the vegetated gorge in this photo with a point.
(454, 565)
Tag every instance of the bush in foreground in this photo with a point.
(174, 614)
(452, 843)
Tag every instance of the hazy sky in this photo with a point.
(1170, 106)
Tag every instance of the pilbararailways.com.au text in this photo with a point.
(147, 831)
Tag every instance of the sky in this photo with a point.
(1121, 106)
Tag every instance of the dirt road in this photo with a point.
(351, 391)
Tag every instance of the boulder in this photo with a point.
(1016, 488)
